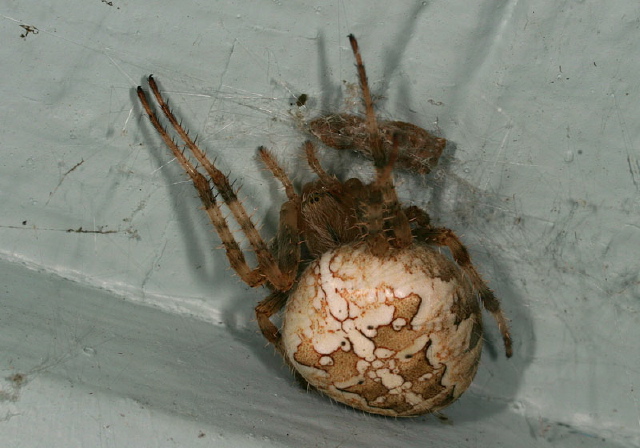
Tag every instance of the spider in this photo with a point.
(375, 316)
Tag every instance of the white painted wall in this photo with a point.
(139, 335)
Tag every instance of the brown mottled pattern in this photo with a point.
(307, 355)
(417, 367)
(406, 307)
(412, 375)
(394, 340)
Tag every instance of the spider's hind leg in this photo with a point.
(264, 310)
(442, 236)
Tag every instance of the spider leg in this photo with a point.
(267, 265)
(417, 215)
(287, 245)
(384, 213)
(267, 308)
(314, 163)
(442, 236)
(287, 250)
(375, 137)
(277, 171)
(384, 204)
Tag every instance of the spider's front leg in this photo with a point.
(268, 268)
(419, 150)
(442, 236)
(387, 225)
(287, 249)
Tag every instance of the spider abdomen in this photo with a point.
(398, 335)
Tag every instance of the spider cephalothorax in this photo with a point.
(375, 316)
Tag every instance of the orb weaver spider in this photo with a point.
(375, 316)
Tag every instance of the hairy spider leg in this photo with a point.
(375, 138)
(395, 218)
(287, 245)
(380, 199)
(267, 265)
(287, 250)
(441, 236)
(277, 171)
(383, 203)
(314, 164)
(267, 308)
